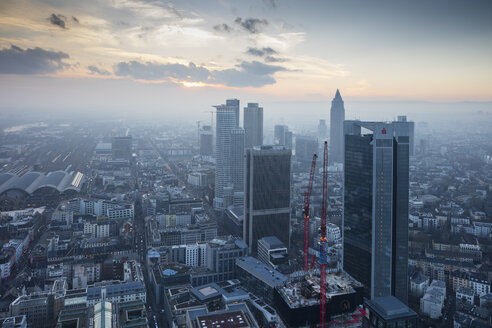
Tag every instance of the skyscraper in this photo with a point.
(122, 147)
(306, 146)
(337, 116)
(234, 105)
(267, 195)
(206, 141)
(237, 160)
(282, 136)
(375, 221)
(253, 125)
(411, 132)
(225, 122)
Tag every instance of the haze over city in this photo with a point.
(166, 57)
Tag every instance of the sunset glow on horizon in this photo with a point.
(273, 50)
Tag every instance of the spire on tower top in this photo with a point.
(337, 94)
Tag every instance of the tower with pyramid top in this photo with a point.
(337, 116)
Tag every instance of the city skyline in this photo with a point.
(123, 54)
(353, 188)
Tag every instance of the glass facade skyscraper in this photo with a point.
(267, 195)
(337, 116)
(253, 125)
(229, 154)
(234, 105)
(375, 222)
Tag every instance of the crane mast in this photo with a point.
(323, 244)
(307, 200)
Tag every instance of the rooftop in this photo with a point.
(223, 320)
(465, 291)
(271, 242)
(418, 278)
(207, 292)
(261, 271)
(33, 181)
(235, 315)
(389, 308)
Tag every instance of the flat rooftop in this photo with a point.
(223, 320)
(389, 307)
(261, 271)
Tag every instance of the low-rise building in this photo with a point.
(259, 278)
(475, 281)
(418, 284)
(234, 315)
(116, 291)
(465, 295)
(272, 251)
(15, 322)
(388, 311)
(432, 303)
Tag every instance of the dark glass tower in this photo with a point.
(267, 195)
(206, 141)
(253, 125)
(337, 116)
(375, 247)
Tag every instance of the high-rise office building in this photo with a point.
(337, 116)
(288, 139)
(282, 136)
(402, 119)
(122, 147)
(267, 195)
(229, 156)
(306, 146)
(206, 141)
(279, 134)
(322, 129)
(237, 159)
(253, 125)
(234, 105)
(375, 221)
(225, 123)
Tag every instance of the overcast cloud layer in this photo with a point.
(268, 49)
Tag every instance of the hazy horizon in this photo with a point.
(155, 56)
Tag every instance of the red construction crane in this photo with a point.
(323, 245)
(307, 200)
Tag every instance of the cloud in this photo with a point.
(153, 71)
(58, 20)
(261, 52)
(252, 25)
(267, 53)
(271, 59)
(246, 74)
(95, 70)
(15, 60)
(222, 28)
(249, 74)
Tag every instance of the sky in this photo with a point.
(181, 57)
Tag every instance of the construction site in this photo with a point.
(319, 295)
(298, 300)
